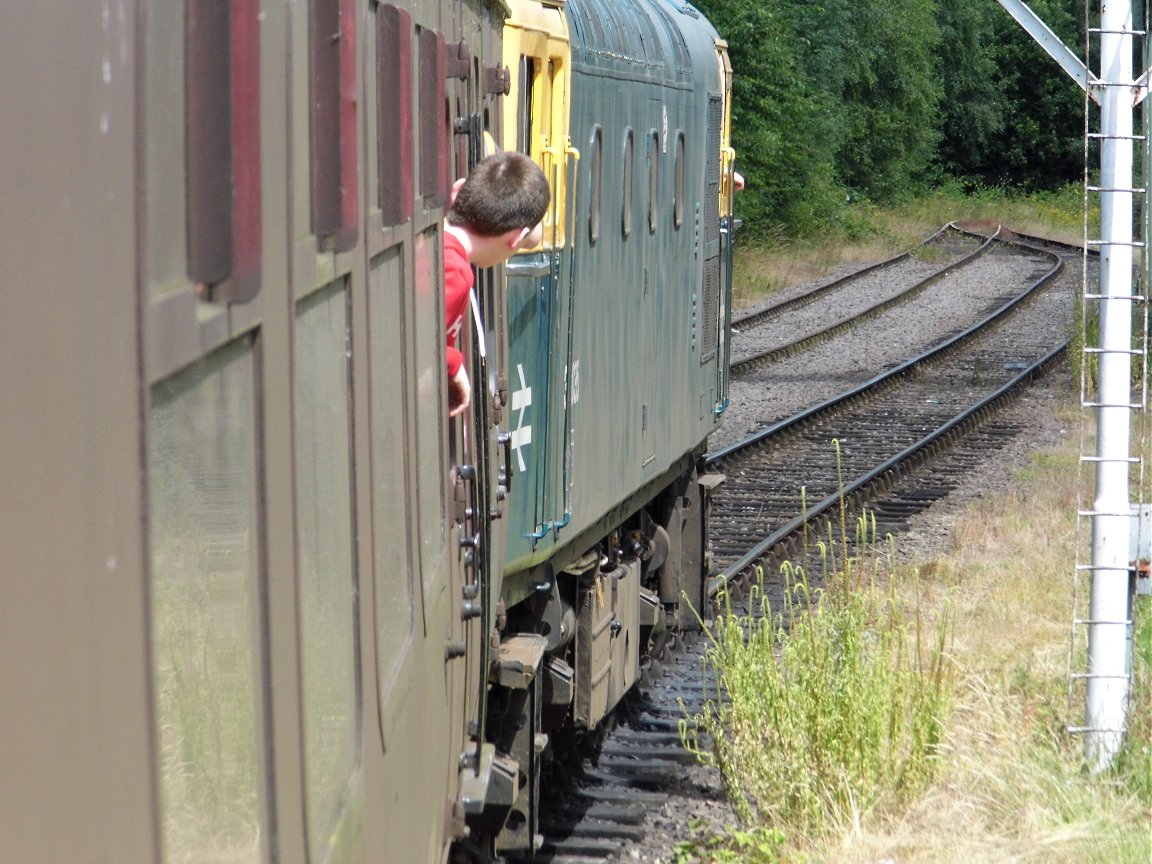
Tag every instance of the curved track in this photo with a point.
(906, 434)
(845, 303)
(880, 425)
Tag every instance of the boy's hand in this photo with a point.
(459, 392)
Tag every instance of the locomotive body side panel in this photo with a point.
(614, 337)
(625, 362)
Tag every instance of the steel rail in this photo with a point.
(856, 489)
(748, 364)
(877, 479)
(752, 319)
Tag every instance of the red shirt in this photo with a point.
(457, 286)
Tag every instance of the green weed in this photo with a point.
(829, 708)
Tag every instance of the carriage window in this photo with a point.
(626, 218)
(222, 108)
(428, 330)
(653, 179)
(433, 117)
(392, 562)
(678, 194)
(595, 174)
(327, 586)
(165, 166)
(205, 600)
(333, 100)
(394, 112)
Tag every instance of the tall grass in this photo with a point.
(1005, 782)
(830, 707)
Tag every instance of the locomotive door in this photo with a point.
(540, 298)
(648, 186)
(728, 226)
(714, 251)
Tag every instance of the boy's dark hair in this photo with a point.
(503, 192)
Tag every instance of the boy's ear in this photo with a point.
(517, 237)
(526, 238)
(453, 191)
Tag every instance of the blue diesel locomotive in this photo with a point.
(618, 350)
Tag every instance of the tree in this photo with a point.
(780, 123)
(1040, 145)
(973, 105)
(1011, 116)
(889, 90)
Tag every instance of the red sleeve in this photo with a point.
(457, 286)
(455, 361)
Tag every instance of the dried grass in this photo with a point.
(1011, 786)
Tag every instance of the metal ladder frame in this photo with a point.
(1108, 623)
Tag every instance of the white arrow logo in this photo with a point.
(521, 435)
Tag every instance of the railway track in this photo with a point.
(881, 425)
(906, 435)
(836, 307)
(795, 381)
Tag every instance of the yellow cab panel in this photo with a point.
(537, 53)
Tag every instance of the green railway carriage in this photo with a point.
(262, 599)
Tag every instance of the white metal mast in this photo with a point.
(1107, 673)
(1118, 94)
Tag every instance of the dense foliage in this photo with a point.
(844, 100)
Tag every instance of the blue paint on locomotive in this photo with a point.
(614, 363)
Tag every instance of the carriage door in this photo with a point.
(474, 80)
(212, 370)
(411, 534)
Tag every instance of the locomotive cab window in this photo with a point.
(538, 50)
(595, 177)
(529, 69)
(678, 194)
(653, 179)
(539, 135)
(626, 216)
